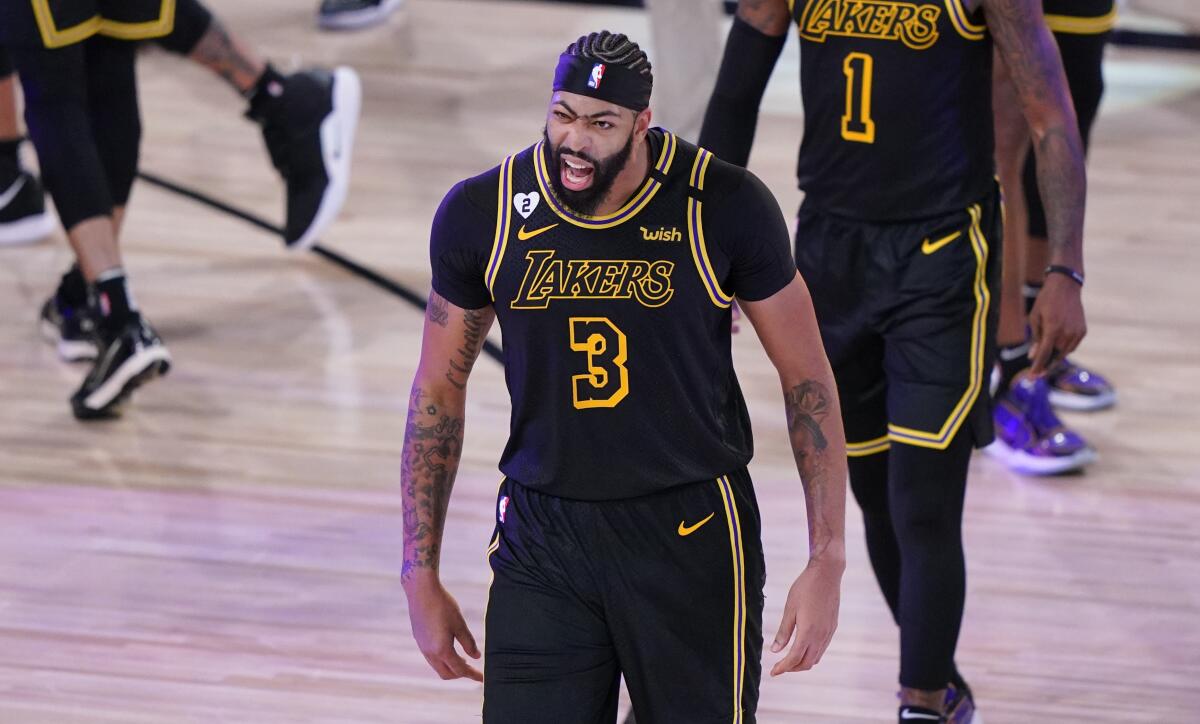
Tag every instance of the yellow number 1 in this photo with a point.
(856, 123)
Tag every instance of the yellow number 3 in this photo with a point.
(856, 123)
(607, 380)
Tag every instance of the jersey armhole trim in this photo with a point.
(962, 23)
(503, 222)
(696, 234)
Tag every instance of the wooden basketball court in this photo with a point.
(230, 550)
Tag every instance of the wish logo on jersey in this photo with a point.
(912, 24)
(548, 278)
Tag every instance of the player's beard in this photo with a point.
(604, 174)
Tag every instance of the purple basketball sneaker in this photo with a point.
(1030, 438)
(1073, 387)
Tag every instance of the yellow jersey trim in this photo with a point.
(504, 194)
(695, 216)
(961, 21)
(54, 37)
(870, 447)
(1083, 26)
(941, 439)
(737, 554)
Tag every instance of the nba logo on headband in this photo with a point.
(597, 75)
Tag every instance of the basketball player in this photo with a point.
(897, 236)
(76, 63)
(23, 214)
(1030, 438)
(627, 534)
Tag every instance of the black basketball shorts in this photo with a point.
(664, 589)
(59, 23)
(907, 313)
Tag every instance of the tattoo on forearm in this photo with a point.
(808, 407)
(476, 322)
(437, 311)
(432, 450)
(218, 52)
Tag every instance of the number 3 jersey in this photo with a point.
(616, 328)
(897, 107)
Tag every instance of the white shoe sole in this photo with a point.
(27, 230)
(1022, 462)
(360, 19)
(1082, 403)
(114, 386)
(68, 351)
(337, 149)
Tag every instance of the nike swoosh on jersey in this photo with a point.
(918, 715)
(686, 530)
(526, 235)
(11, 193)
(929, 247)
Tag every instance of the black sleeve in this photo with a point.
(732, 113)
(748, 226)
(459, 245)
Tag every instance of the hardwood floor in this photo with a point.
(229, 551)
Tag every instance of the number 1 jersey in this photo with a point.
(616, 329)
(897, 107)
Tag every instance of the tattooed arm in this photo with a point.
(1027, 48)
(433, 440)
(787, 326)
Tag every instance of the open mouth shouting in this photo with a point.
(576, 173)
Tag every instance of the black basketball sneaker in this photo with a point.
(23, 214)
(309, 131)
(354, 14)
(71, 329)
(128, 359)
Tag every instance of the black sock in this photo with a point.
(8, 150)
(1013, 359)
(72, 292)
(113, 301)
(264, 99)
(1030, 290)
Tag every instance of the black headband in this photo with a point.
(605, 81)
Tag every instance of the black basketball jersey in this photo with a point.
(617, 328)
(897, 107)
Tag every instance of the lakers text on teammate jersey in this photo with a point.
(912, 24)
(548, 278)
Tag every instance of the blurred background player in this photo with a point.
(23, 214)
(354, 14)
(76, 63)
(1030, 437)
(896, 236)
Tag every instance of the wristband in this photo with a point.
(1065, 271)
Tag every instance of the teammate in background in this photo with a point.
(896, 237)
(627, 534)
(1030, 438)
(76, 64)
(23, 214)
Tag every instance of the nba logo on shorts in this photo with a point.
(503, 507)
(597, 75)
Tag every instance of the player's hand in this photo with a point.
(437, 623)
(1057, 322)
(811, 614)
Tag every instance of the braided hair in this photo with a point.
(612, 48)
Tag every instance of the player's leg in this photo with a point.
(23, 214)
(59, 115)
(1071, 386)
(684, 573)
(1029, 436)
(938, 335)
(308, 118)
(548, 655)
